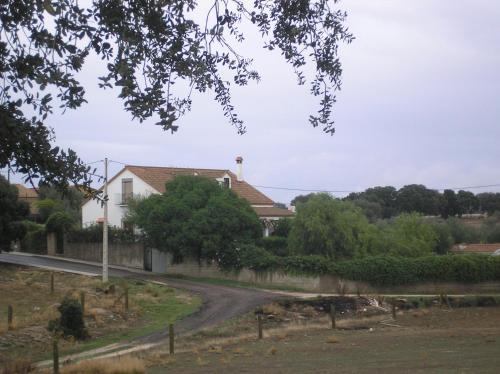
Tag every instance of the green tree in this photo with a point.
(197, 218)
(384, 197)
(418, 198)
(467, 202)
(329, 227)
(147, 46)
(463, 233)
(70, 200)
(46, 207)
(12, 211)
(489, 202)
(449, 204)
(301, 199)
(410, 235)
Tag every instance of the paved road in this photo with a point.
(219, 302)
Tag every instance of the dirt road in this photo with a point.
(220, 303)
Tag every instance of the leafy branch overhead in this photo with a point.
(149, 46)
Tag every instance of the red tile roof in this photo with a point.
(272, 212)
(156, 177)
(476, 248)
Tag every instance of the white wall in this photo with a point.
(92, 210)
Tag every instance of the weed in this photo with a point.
(332, 340)
(122, 365)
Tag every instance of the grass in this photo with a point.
(125, 365)
(439, 341)
(151, 308)
(233, 283)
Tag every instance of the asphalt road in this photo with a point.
(220, 303)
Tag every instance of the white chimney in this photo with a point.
(239, 166)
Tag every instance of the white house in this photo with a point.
(143, 181)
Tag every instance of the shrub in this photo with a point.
(93, 234)
(276, 245)
(59, 222)
(71, 322)
(35, 240)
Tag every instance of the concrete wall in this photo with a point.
(323, 283)
(130, 254)
(92, 209)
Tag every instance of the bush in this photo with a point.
(282, 227)
(379, 270)
(35, 240)
(71, 322)
(59, 222)
(93, 234)
(276, 245)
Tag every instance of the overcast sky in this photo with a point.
(419, 104)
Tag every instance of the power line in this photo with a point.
(351, 191)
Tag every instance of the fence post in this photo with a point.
(126, 299)
(332, 315)
(393, 302)
(55, 355)
(82, 301)
(51, 283)
(259, 325)
(171, 337)
(10, 317)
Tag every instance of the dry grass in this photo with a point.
(122, 365)
(18, 366)
(332, 340)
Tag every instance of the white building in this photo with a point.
(146, 180)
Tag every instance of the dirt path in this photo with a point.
(220, 303)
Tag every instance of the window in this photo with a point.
(227, 182)
(127, 190)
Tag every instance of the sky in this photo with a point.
(419, 104)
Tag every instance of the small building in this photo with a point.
(476, 248)
(142, 181)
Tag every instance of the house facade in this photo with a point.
(142, 181)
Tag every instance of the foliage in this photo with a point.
(35, 240)
(301, 199)
(282, 227)
(69, 200)
(418, 198)
(146, 47)
(277, 245)
(449, 204)
(409, 235)
(378, 202)
(93, 234)
(379, 270)
(386, 271)
(46, 207)
(59, 222)
(71, 322)
(489, 202)
(328, 227)
(461, 232)
(467, 202)
(196, 218)
(12, 211)
(444, 237)
(490, 229)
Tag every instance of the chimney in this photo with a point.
(239, 171)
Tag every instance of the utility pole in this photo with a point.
(105, 226)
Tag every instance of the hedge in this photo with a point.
(380, 270)
(93, 234)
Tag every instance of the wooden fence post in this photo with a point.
(51, 283)
(171, 338)
(259, 325)
(10, 318)
(332, 315)
(126, 299)
(82, 301)
(55, 355)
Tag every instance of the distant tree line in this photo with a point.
(387, 202)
